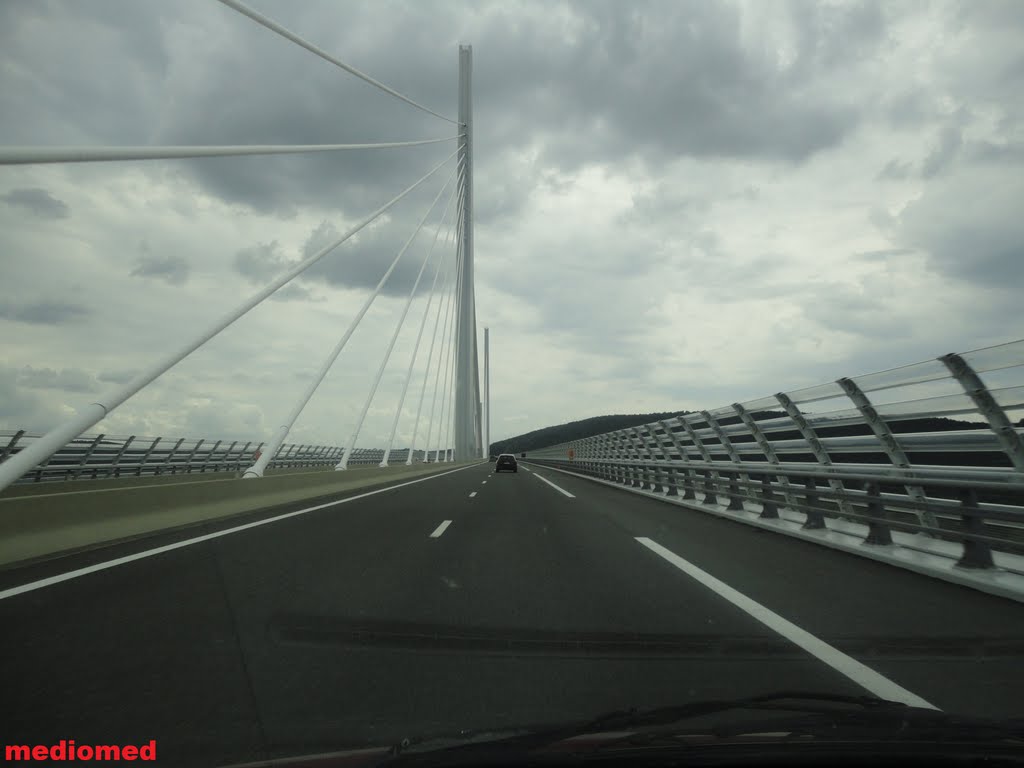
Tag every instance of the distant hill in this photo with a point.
(575, 430)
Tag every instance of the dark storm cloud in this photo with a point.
(896, 170)
(884, 254)
(293, 292)
(949, 144)
(970, 228)
(660, 80)
(653, 80)
(261, 89)
(116, 377)
(38, 202)
(44, 312)
(362, 261)
(262, 262)
(911, 109)
(96, 72)
(1009, 153)
(19, 407)
(839, 307)
(67, 379)
(170, 268)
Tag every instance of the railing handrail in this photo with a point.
(99, 456)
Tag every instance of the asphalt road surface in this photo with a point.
(469, 600)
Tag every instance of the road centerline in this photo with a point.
(847, 666)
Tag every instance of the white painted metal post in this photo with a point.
(467, 382)
(487, 394)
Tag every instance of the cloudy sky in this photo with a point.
(678, 204)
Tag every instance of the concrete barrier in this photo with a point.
(37, 524)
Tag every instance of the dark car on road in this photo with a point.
(506, 461)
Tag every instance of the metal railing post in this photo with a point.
(809, 435)
(10, 445)
(769, 509)
(765, 445)
(170, 457)
(88, 455)
(209, 455)
(188, 461)
(729, 448)
(878, 532)
(673, 482)
(994, 414)
(226, 463)
(977, 554)
(709, 489)
(651, 450)
(117, 459)
(145, 458)
(814, 519)
(673, 472)
(690, 486)
(890, 445)
(735, 500)
(704, 453)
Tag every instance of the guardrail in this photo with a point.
(881, 450)
(103, 456)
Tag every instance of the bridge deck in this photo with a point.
(371, 620)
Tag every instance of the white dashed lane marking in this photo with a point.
(440, 529)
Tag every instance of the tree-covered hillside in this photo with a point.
(575, 430)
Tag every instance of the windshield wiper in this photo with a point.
(864, 718)
(791, 701)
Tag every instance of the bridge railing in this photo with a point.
(925, 449)
(104, 456)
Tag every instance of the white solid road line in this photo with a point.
(864, 676)
(472, 494)
(560, 490)
(48, 582)
(440, 529)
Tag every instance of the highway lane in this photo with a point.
(375, 620)
(958, 648)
